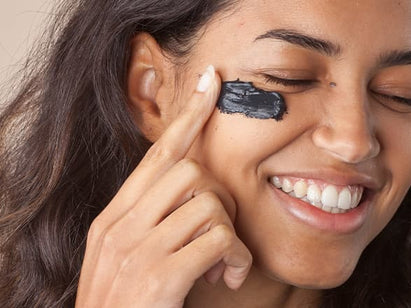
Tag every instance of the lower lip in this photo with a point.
(343, 223)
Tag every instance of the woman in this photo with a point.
(307, 211)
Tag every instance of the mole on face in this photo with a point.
(242, 97)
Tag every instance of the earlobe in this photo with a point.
(145, 79)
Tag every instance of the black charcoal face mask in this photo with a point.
(242, 97)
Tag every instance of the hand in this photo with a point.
(170, 223)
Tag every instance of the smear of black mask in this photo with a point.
(242, 97)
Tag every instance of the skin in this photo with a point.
(202, 203)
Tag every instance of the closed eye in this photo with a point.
(288, 82)
(393, 102)
(395, 98)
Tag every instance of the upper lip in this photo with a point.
(337, 177)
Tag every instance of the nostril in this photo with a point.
(347, 146)
(352, 153)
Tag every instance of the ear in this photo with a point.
(147, 84)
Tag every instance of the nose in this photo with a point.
(348, 131)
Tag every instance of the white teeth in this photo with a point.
(344, 199)
(329, 200)
(329, 197)
(355, 198)
(300, 189)
(276, 181)
(317, 205)
(314, 194)
(335, 210)
(287, 186)
(327, 208)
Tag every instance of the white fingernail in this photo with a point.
(206, 79)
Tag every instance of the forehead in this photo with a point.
(355, 25)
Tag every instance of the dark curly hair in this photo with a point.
(68, 142)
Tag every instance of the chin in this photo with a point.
(320, 283)
(293, 262)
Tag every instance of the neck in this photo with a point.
(257, 291)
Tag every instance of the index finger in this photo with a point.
(174, 144)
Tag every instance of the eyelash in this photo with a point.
(288, 82)
(307, 82)
(394, 98)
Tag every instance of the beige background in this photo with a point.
(20, 23)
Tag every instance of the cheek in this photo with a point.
(232, 141)
(394, 135)
(244, 143)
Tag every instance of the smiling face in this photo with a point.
(344, 143)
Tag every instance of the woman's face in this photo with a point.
(346, 133)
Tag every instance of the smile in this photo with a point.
(326, 197)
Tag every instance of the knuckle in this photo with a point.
(97, 228)
(210, 203)
(191, 168)
(109, 241)
(160, 153)
(100, 232)
(102, 235)
(152, 285)
(155, 283)
(223, 236)
(159, 285)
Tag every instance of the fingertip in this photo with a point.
(234, 277)
(206, 80)
(234, 285)
(211, 91)
(208, 89)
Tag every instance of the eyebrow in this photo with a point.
(303, 40)
(395, 58)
